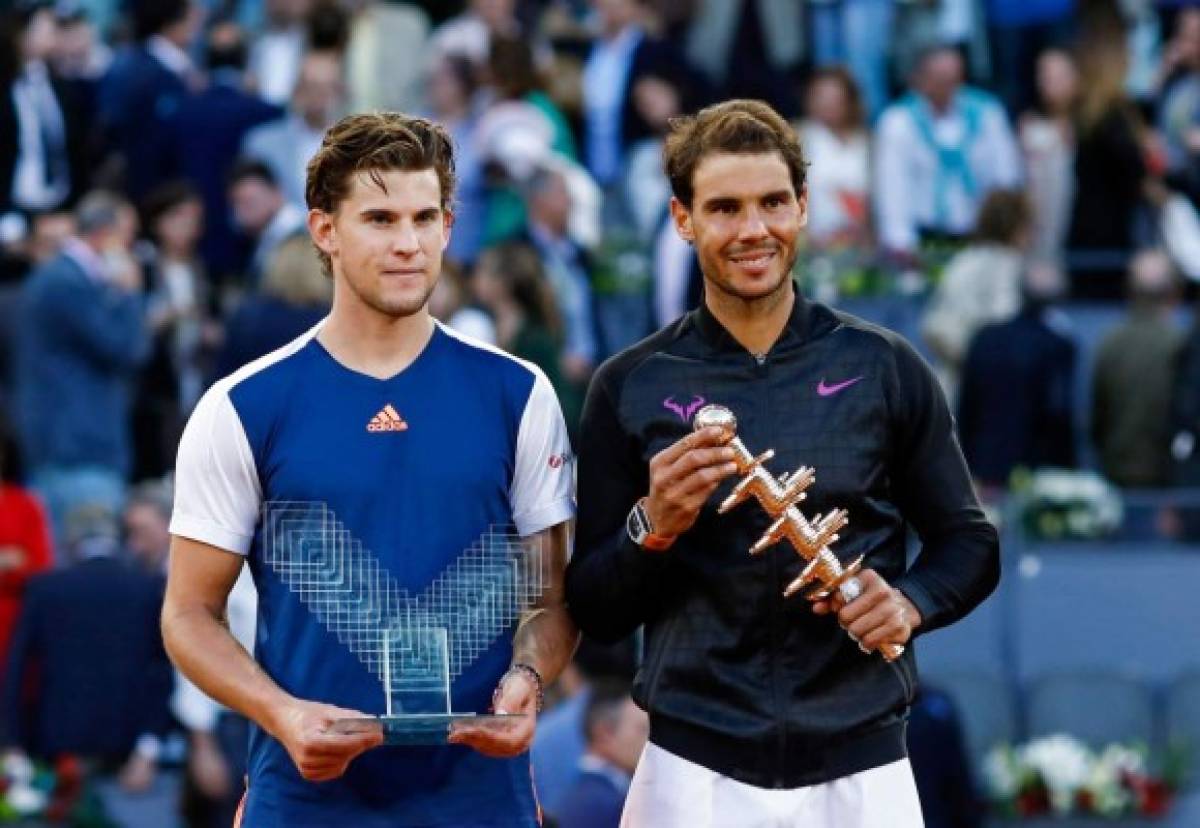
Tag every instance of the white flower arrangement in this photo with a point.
(1064, 503)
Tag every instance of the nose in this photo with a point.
(405, 242)
(752, 227)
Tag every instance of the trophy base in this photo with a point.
(413, 729)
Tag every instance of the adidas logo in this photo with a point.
(387, 420)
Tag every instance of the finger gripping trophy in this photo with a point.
(824, 574)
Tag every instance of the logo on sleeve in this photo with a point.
(387, 420)
(557, 461)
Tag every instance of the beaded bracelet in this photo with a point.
(520, 667)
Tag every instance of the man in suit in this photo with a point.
(207, 133)
(262, 213)
(144, 87)
(287, 145)
(87, 672)
(616, 730)
(81, 339)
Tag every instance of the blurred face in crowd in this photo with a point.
(615, 15)
(1057, 81)
(386, 242)
(319, 90)
(657, 101)
(50, 230)
(939, 77)
(550, 206)
(621, 741)
(73, 47)
(1187, 38)
(487, 283)
(827, 103)
(121, 234)
(40, 36)
(745, 222)
(255, 202)
(497, 14)
(146, 535)
(448, 96)
(178, 229)
(285, 12)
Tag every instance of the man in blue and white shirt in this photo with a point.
(418, 440)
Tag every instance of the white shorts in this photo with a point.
(668, 791)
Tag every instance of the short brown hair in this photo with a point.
(738, 126)
(375, 142)
(1003, 217)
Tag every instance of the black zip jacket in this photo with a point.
(735, 677)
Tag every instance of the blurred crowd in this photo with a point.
(993, 160)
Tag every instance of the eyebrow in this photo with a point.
(724, 200)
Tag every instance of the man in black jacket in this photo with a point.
(762, 711)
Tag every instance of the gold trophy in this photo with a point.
(824, 573)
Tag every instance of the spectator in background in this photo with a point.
(939, 151)
(1133, 379)
(146, 519)
(144, 87)
(837, 144)
(1016, 405)
(380, 71)
(80, 54)
(81, 340)
(1109, 165)
(470, 33)
(646, 190)
(1179, 112)
(567, 269)
(981, 284)
(1017, 30)
(87, 645)
(287, 145)
(24, 541)
(182, 335)
(616, 731)
(511, 285)
(42, 131)
(1185, 418)
(451, 303)
(208, 130)
(622, 54)
(450, 88)
(295, 295)
(1047, 135)
(278, 50)
(513, 76)
(262, 213)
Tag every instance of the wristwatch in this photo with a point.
(641, 531)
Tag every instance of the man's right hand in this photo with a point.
(683, 476)
(305, 729)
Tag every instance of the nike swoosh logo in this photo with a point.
(829, 390)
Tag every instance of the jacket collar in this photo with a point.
(714, 333)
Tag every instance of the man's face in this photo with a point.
(146, 535)
(319, 91)
(940, 77)
(745, 223)
(254, 203)
(386, 244)
(551, 205)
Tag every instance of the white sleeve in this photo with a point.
(893, 196)
(543, 485)
(217, 494)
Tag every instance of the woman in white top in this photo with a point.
(837, 145)
(1047, 137)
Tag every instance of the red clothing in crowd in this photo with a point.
(24, 551)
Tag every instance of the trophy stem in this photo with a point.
(387, 671)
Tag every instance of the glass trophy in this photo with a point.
(414, 644)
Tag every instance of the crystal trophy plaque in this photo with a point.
(415, 644)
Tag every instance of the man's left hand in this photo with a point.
(880, 615)
(502, 738)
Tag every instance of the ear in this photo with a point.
(447, 225)
(803, 202)
(682, 217)
(322, 231)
